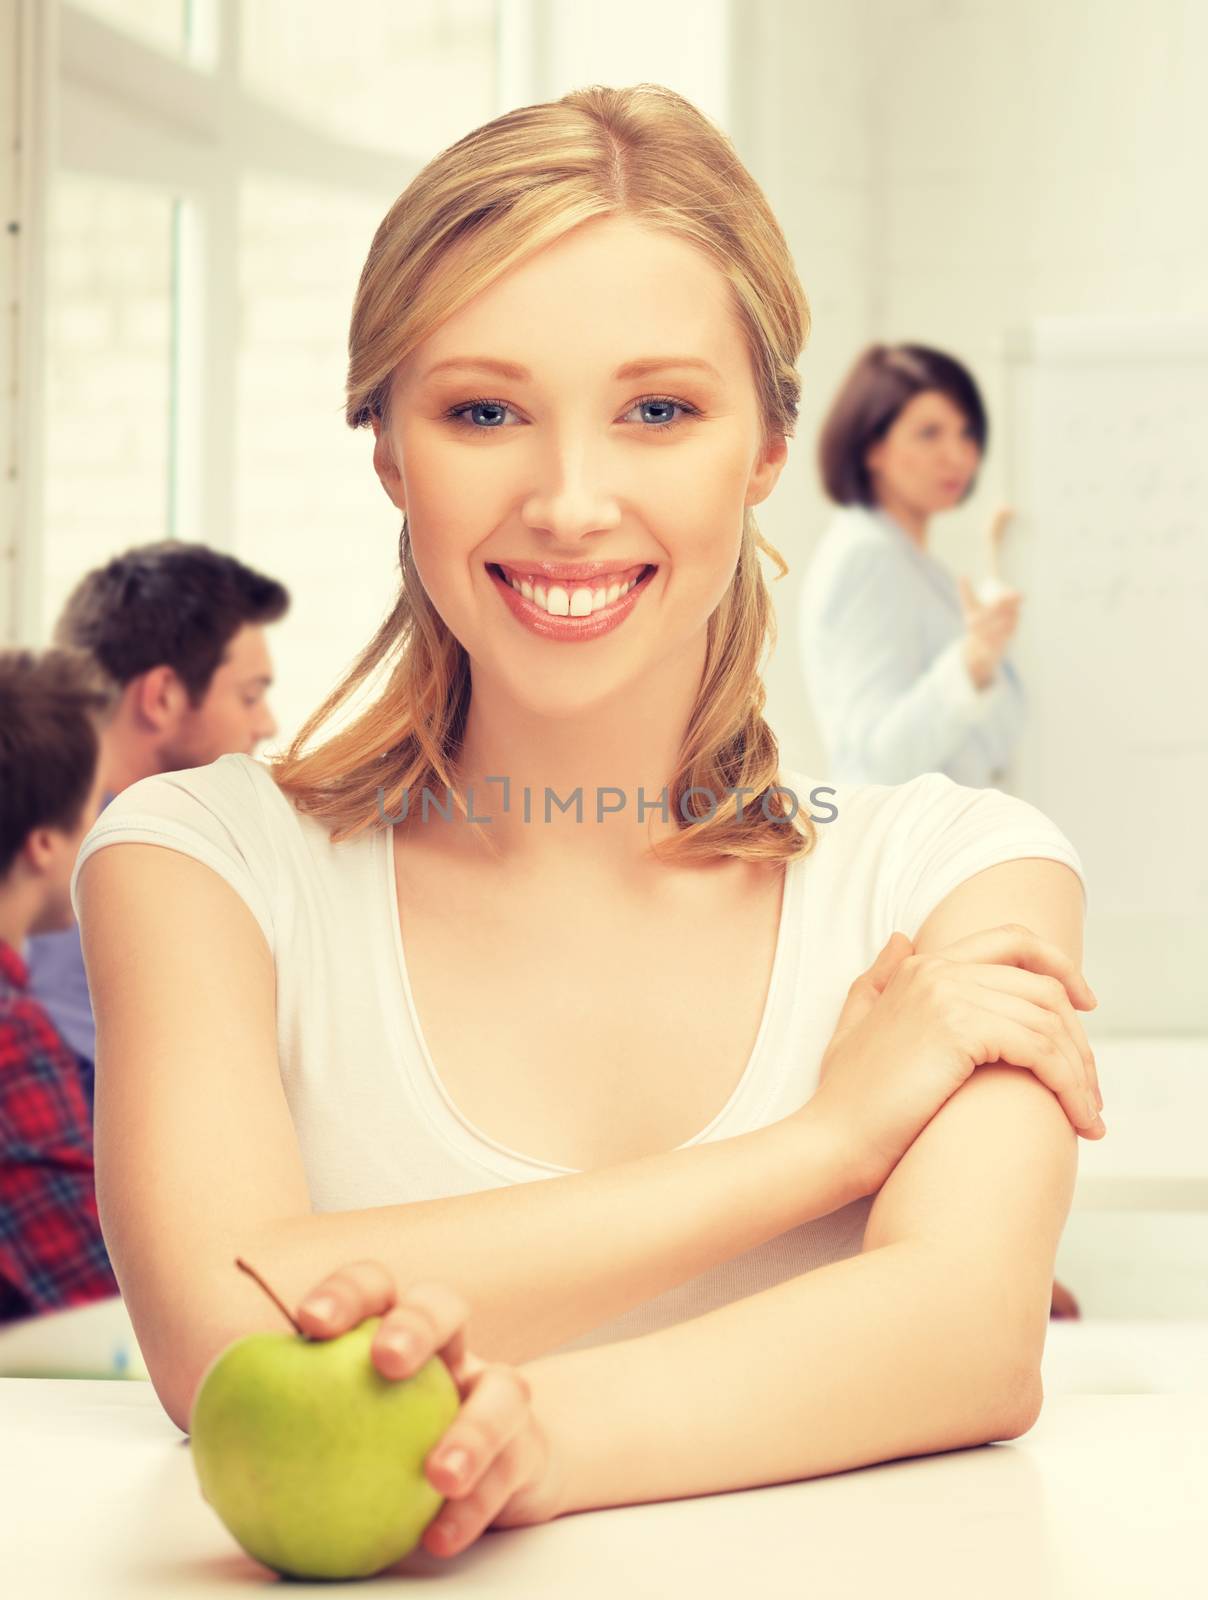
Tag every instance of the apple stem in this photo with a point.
(276, 1299)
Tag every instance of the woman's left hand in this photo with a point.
(1041, 989)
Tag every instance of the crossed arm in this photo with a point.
(930, 1339)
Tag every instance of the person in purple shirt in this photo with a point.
(178, 630)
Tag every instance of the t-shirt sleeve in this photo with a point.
(951, 831)
(211, 813)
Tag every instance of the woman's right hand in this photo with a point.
(513, 1474)
(914, 1027)
(988, 629)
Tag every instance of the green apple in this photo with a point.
(314, 1460)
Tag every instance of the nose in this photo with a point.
(573, 500)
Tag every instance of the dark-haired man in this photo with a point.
(178, 630)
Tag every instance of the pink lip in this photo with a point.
(567, 629)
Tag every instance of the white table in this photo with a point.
(1104, 1497)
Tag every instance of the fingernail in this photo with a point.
(454, 1462)
(321, 1306)
(404, 1345)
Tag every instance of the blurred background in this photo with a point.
(1017, 183)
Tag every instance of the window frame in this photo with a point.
(96, 101)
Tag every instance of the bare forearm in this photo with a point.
(541, 1263)
(882, 1355)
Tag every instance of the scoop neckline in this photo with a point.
(466, 1138)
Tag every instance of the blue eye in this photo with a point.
(458, 414)
(667, 401)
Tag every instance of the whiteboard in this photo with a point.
(1108, 473)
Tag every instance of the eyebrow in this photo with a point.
(630, 369)
(248, 682)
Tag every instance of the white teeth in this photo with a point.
(579, 602)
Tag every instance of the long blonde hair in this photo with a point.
(513, 186)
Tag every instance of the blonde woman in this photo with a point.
(783, 1227)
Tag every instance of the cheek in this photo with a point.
(446, 570)
(452, 484)
(226, 722)
(702, 556)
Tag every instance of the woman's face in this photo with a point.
(572, 463)
(929, 456)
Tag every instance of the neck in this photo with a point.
(18, 913)
(124, 759)
(912, 521)
(621, 741)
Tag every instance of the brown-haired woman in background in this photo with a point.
(578, 1115)
(906, 667)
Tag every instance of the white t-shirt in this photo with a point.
(375, 1124)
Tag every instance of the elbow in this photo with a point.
(175, 1369)
(177, 1385)
(178, 1393)
(1021, 1398)
(174, 1397)
(882, 763)
(875, 746)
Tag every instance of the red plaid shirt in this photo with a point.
(52, 1252)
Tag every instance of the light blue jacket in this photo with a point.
(881, 634)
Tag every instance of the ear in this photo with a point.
(768, 469)
(38, 849)
(385, 465)
(159, 696)
(872, 456)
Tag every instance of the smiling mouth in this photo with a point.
(571, 586)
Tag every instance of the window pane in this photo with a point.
(109, 375)
(310, 510)
(408, 78)
(163, 23)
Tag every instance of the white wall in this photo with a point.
(946, 170)
(803, 122)
(9, 124)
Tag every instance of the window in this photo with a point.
(109, 377)
(208, 178)
(162, 23)
(221, 166)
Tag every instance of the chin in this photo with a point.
(572, 695)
